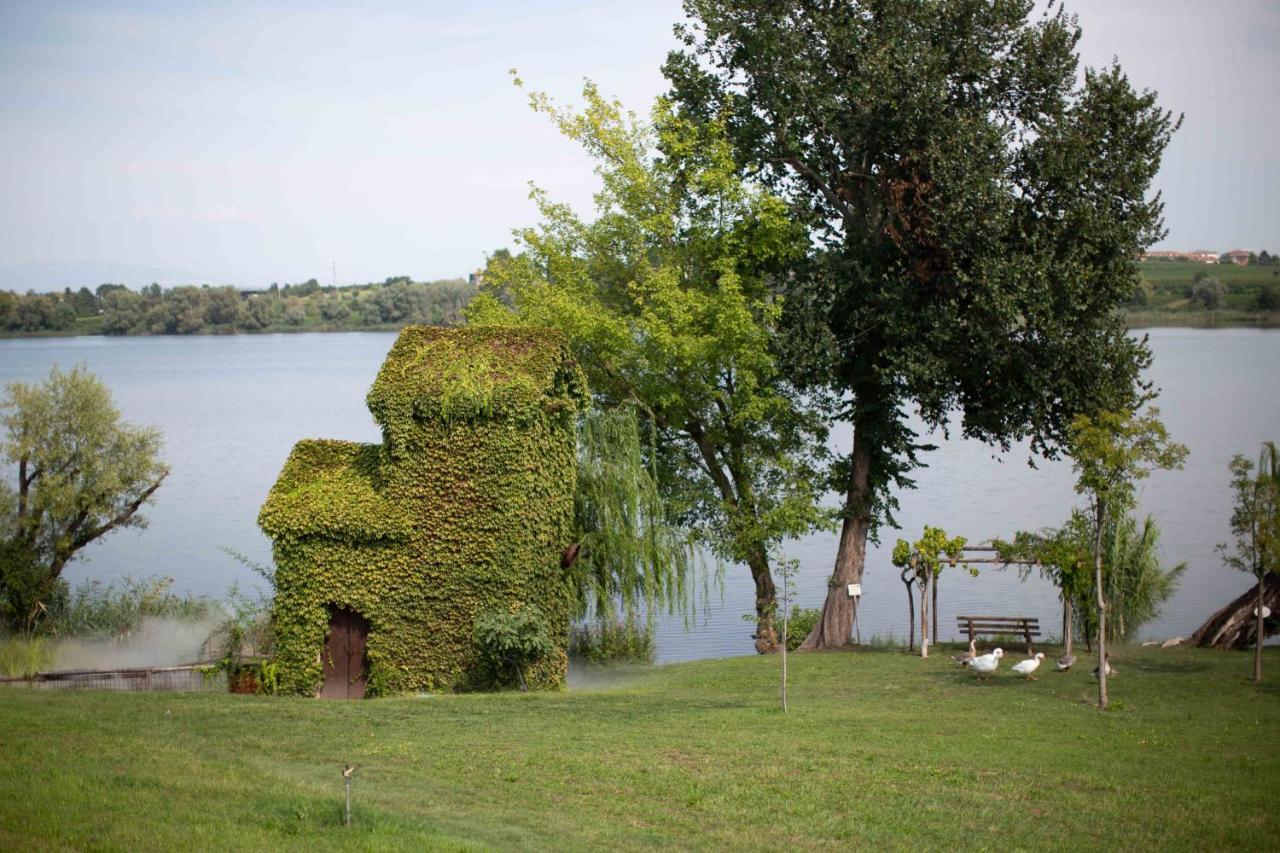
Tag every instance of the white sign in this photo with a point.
(855, 590)
(1266, 611)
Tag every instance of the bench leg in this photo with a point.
(1027, 630)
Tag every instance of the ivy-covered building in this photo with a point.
(386, 553)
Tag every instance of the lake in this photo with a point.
(232, 407)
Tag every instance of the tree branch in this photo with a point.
(64, 555)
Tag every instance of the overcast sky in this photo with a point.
(245, 143)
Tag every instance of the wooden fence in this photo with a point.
(190, 678)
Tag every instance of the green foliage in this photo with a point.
(632, 555)
(974, 201)
(23, 657)
(79, 473)
(187, 310)
(1268, 298)
(1255, 518)
(610, 643)
(94, 609)
(1061, 555)
(464, 508)
(1112, 451)
(799, 624)
(666, 298)
(1135, 584)
(511, 642)
(28, 593)
(1206, 292)
(930, 553)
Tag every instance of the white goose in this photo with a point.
(1028, 666)
(984, 665)
(1111, 670)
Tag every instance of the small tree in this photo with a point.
(81, 473)
(786, 568)
(1112, 451)
(1255, 522)
(925, 557)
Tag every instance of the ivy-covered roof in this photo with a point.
(332, 488)
(475, 371)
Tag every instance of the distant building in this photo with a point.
(1202, 256)
(1239, 257)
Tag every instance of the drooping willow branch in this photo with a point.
(633, 557)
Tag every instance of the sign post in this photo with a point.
(855, 592)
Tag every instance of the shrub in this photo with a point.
(799, 624)
(27, 591)
(1268, 298)
(1206, 292)
(509, 642)
(605, 643)
(23, 657)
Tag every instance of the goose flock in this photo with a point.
(984, 666)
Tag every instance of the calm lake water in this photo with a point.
(232, 407)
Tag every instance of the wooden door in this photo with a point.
(345, 671)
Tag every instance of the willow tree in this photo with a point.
(975, 204)
(665, 297)
(629, 555)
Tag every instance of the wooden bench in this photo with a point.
(1024, 625)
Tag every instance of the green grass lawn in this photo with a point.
(880, 750)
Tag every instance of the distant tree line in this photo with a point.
(114, 309)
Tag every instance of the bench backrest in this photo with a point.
(1012, 623)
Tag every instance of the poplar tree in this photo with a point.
(975, 206)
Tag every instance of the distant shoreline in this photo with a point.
(1136, 320)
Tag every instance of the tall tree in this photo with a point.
(1111, 452)
(81, 473)
(975, 214)
(1255, 522)
(666, 301)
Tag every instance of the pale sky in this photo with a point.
(245, 143)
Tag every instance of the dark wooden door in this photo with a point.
(345, 672)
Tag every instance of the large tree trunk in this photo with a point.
(1102, 608)
(766, 604)
(1234, 626)
(834, 628)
